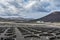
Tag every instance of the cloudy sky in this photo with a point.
(28, 8)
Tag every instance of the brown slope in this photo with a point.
(53, 17)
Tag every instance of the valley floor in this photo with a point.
(29, 31)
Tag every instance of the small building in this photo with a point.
(39, 21)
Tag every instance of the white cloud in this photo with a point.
(45, 0)
(26, 8)
(1, 10)
(30, 4)
(13, 9)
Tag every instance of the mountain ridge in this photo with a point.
(52, 17)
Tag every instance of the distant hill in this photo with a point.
(53, 17)
(15, 19)
(1, 19)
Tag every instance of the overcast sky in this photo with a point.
(28, 8)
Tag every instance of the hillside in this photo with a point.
(52, 17)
